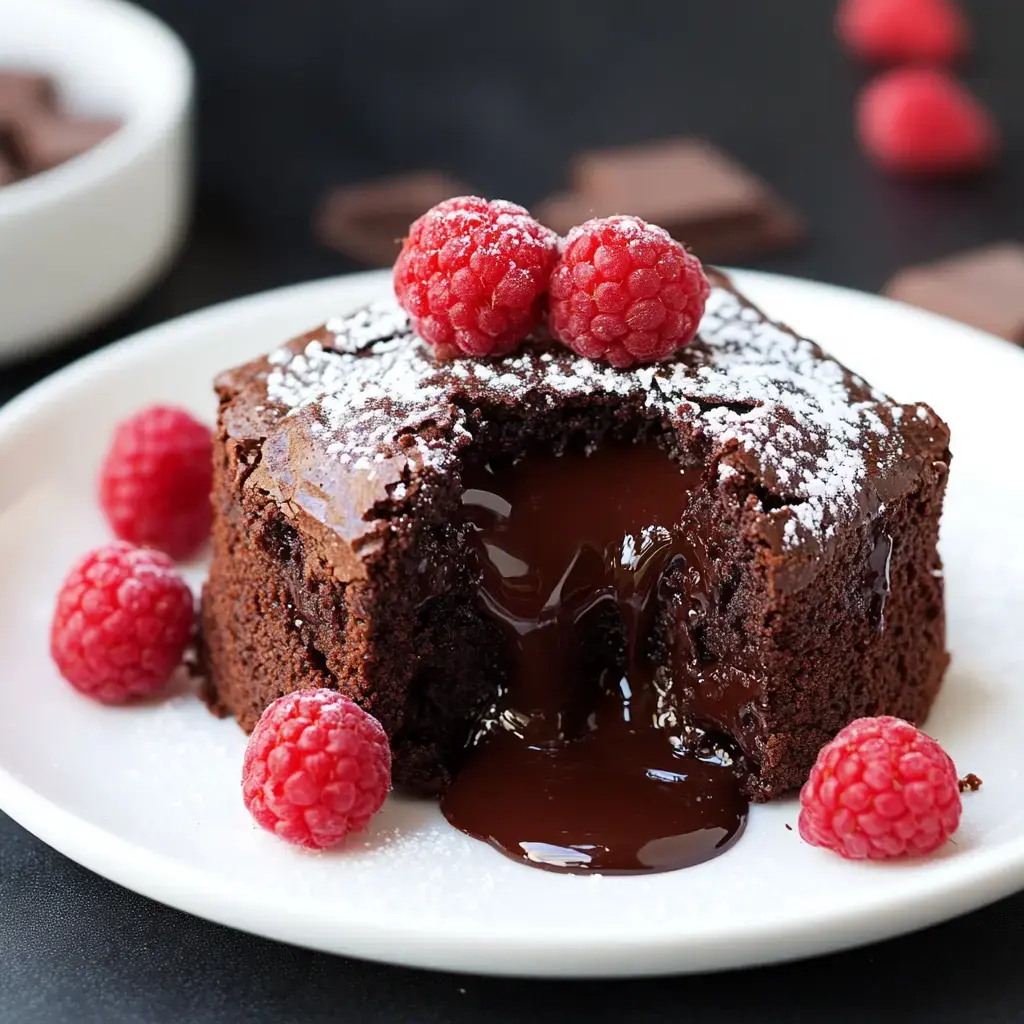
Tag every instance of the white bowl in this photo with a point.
(83, 239)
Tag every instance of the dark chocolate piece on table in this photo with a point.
(368, 221)
(692, 189)
(983, 287)
(48, 139)
(658, 170)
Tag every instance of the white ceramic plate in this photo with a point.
(149, 796)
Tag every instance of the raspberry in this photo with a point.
(317, 767)
(880, 789)
(472, 275)
(626, 292)
(921, 121)
(156, 478)
(903, 31)
(124, 617)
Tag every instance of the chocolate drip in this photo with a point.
(879, 571)
(584, 762)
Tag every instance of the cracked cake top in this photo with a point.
(358, 414)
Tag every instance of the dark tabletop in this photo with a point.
(297, 97)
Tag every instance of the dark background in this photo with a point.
(295, 97)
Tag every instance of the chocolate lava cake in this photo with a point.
(799, 585)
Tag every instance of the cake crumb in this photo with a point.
(970, 783)
(789, 828)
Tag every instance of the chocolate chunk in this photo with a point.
(562, 211)
(49, 139)
(34, 134)
(983, 287)
(698, 194)
(368, 221)
(970, 783)
(689, 177)
(22, 94)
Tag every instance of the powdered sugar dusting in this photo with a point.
(756, 390)
(628, 227)
(376, 322)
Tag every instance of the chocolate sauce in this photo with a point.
(583, 763)
(879, 577)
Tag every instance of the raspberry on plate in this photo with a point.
(123, 620)
(625, 292)
(156, 479)
(317, 767)
(881, 788)
(472, 274)
(922, 121)
(903, 31)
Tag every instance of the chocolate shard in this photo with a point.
(982, 287)
(564, 210)
(22, 94)
(48, 139)
(696, 192)
(368, 221)
(658, 169)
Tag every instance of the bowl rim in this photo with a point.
(131, 140)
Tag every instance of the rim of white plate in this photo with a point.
(946, 889)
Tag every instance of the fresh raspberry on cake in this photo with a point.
(156, 479)
(625, 292)
(922, 121)
(317, 767)
(903, 31)
(123, 620)
(880, 789)
(472, 275)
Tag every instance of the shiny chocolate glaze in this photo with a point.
(584, 762)
(879, 580)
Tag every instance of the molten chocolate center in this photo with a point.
(583, 762)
